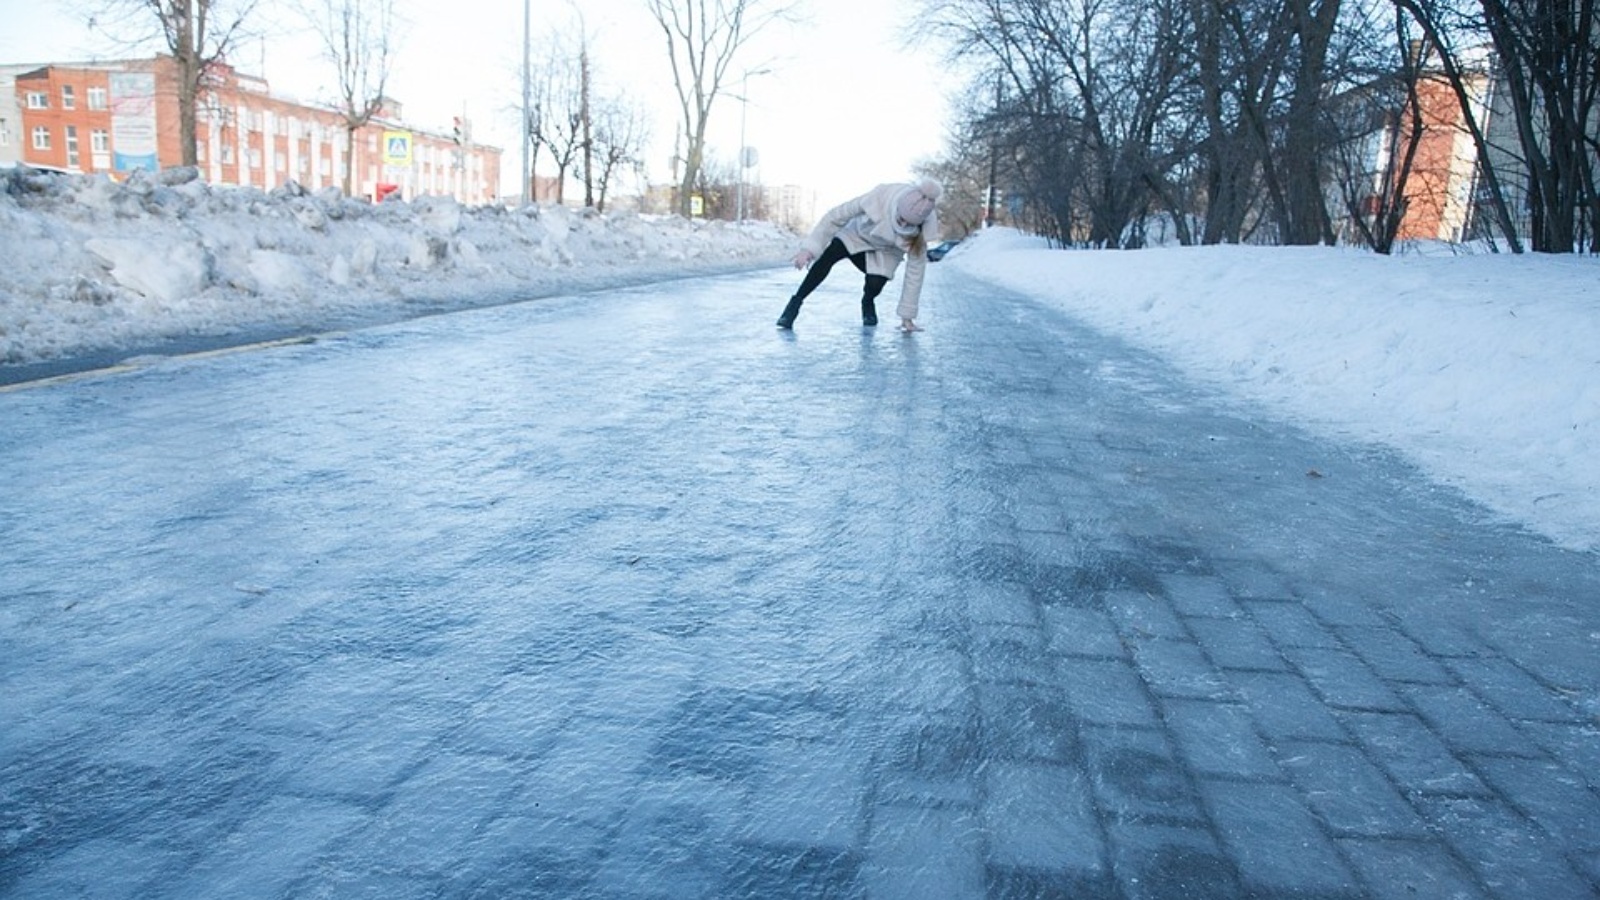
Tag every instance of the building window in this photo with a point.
(255, 158)
(41, 137)
(5, 133)
(38, 100)
(97, 98)
(99, 141)
(69, 98)
(72, 147)
(227, 154)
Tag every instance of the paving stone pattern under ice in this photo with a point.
(630, 595)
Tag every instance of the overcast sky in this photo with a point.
(846, 104)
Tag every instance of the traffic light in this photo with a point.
(455, 130)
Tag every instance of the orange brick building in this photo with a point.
(117, 117)
(1443, 199)
(1443, 179)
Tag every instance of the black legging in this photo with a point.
(824, 264)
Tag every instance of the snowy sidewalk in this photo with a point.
(630, 595)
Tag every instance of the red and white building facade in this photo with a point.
(117, 117)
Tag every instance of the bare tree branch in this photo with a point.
(199, 34)
(358, 38)
(703, 40)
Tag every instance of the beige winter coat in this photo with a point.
(867, 223)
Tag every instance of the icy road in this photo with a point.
(631, 595)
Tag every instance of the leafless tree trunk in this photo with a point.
(1236, 68)
(703, 39)
(198, 34)
(1313, 23)
(358, 38)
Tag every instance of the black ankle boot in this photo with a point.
(789, 312)
(869, 313)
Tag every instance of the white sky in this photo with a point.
(845, 107)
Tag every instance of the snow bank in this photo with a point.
(1484, 369)
(88, 264)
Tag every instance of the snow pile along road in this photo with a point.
(89, 264)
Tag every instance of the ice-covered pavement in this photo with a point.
(629, 595)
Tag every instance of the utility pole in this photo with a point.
(463, 138)
(585, 113)
(527, 101)
(745, 153)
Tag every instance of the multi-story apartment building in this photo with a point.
(118, 117)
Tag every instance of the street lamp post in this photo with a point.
(527, 74)
(744, 151)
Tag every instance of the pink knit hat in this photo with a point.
(917, 203)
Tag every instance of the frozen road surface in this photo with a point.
(630, 595)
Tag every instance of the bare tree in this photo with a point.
(198, 33)
(1239, 58)
(533, 119)
(620, 134)
(1229, 118)
(1549, 52)
(358, 38)
(556, 114)
(1091, 86)
(1383, 123)
(703, 39)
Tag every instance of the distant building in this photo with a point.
(1445, 170)
(1445, 198)
(10, 116)
(790, 205)
(120, 116)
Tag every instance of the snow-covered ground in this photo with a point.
(89, 264)
(1484, 369)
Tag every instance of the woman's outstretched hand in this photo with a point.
(803, 259)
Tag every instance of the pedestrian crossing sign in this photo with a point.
(397, 148)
